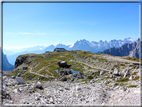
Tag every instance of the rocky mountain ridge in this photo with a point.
(131, 50)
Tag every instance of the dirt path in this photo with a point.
(38, 73)
(91, 66)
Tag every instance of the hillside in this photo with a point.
(82, 61)
(106, 77)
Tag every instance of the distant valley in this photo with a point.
(6, 65)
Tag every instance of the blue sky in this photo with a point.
(27, 24)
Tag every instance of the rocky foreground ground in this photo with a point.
(67, 93)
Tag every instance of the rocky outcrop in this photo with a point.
(128, 49)
(20, 60)
(63, 64)
(59, 50)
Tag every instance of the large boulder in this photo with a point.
(62, 63)
(20, 80)
(63, 78)
(116, 72)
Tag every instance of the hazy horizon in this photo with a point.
(32, 24)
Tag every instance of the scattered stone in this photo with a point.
(13, 77)
(92, 81)
(81, 73)
(117, 78)
(127, 73)
(115, 84)
(67, 88)
(102, 72)
(90, 77)
(25, 68)
(131, 77)
(106, 82)
(123, 72)
(123, 88)
(97, 71)
(116, 72)
(23, 71)
(38, 85)
(18, 75)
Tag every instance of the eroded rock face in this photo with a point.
(20, 60)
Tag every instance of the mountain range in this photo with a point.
(84, 45)
(128, 49)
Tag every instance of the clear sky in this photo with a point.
(27, 24)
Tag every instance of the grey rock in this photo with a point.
(90, 77)
(23, 71)
(20, 80)
(72, 79)
(97, 71)
(127, 73)
(81, 73)
(67, 88)
(115, 84)
(123, 71)
(6, 95)
(79, 88)
(92, 81)
(74, 75)
(93, 73)
(106, 82)
(63, 78)
(117, 78)
(13, 77)
(18, 75)
(131, 77)
(25, 68)
(102, 72)
(123, 88)
(115, 72)
(38, 85)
